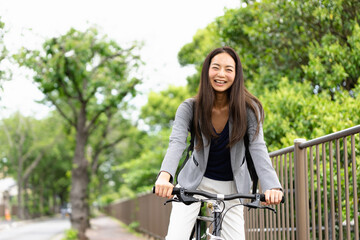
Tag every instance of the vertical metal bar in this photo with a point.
(286, 192)
(300, 194)
(313, 214)
(318, 180)
(282, 226)
(347, 202)
(256, 220)
(292, 172)
(355, 199)
(271, 225)
(253, 219)
(332, 192)
(307, 194)
(338, 172)
(262, 234)
(267, 225)
(251, 224)
(274, 226)
(325, 191)
(278, 223)
(217, 218)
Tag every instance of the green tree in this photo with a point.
(160, 109)
(26, 147)
(3, 51)
(84, 76)
(50, 186)
(297, 39)
(307, 42)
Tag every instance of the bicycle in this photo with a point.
(187, 197)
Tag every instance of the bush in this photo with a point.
(71, 234)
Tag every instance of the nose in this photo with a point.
(221, 72)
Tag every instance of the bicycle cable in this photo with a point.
(222, 211)
(223, 216)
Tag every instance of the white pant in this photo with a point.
(183, 217)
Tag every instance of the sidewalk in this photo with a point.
(106, 228)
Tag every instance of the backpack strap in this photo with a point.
(250, 164)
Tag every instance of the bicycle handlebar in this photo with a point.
(190, 193)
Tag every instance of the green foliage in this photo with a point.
(293, 111)
(82, 69)
(88, 78)
(299, 57)
(139, 174)
(161, 107)
(71, 234)
(3, 50)
(281, 38)
(25, 139)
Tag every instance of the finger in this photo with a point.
(161, 190)
(156, 189)
(169, 192)
(276, 198)
(267, 197)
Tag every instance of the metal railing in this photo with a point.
(320, 178)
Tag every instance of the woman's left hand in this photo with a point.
(273, 196)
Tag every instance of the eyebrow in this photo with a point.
(225, 66)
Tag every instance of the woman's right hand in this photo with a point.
(163, 187)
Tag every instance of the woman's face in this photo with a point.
(222, 72)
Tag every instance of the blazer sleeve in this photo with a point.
(260, 155)
(178, 137)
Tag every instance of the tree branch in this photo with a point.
(91, 125)
(33, 165)
(95, 164)
(62, 112)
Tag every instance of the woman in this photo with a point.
(223, 111)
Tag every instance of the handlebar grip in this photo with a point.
(175, 190)
(262, 198)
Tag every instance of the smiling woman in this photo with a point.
(220, 115)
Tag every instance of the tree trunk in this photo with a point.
(20, 212)
(26, 201)
(80, 179)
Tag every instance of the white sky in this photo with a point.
(163, 25)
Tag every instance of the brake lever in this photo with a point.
(256, 204)
(171, 200)
(184, 198)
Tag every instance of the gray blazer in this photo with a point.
(193, 171)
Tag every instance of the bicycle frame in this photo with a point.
(215, 219)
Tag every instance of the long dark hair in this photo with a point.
(239, 100)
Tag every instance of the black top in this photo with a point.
(219, 164)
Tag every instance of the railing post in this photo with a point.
(300, 191)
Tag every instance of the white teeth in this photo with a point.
(217, 81)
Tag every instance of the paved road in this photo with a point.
(106, 228)
(38, 230)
